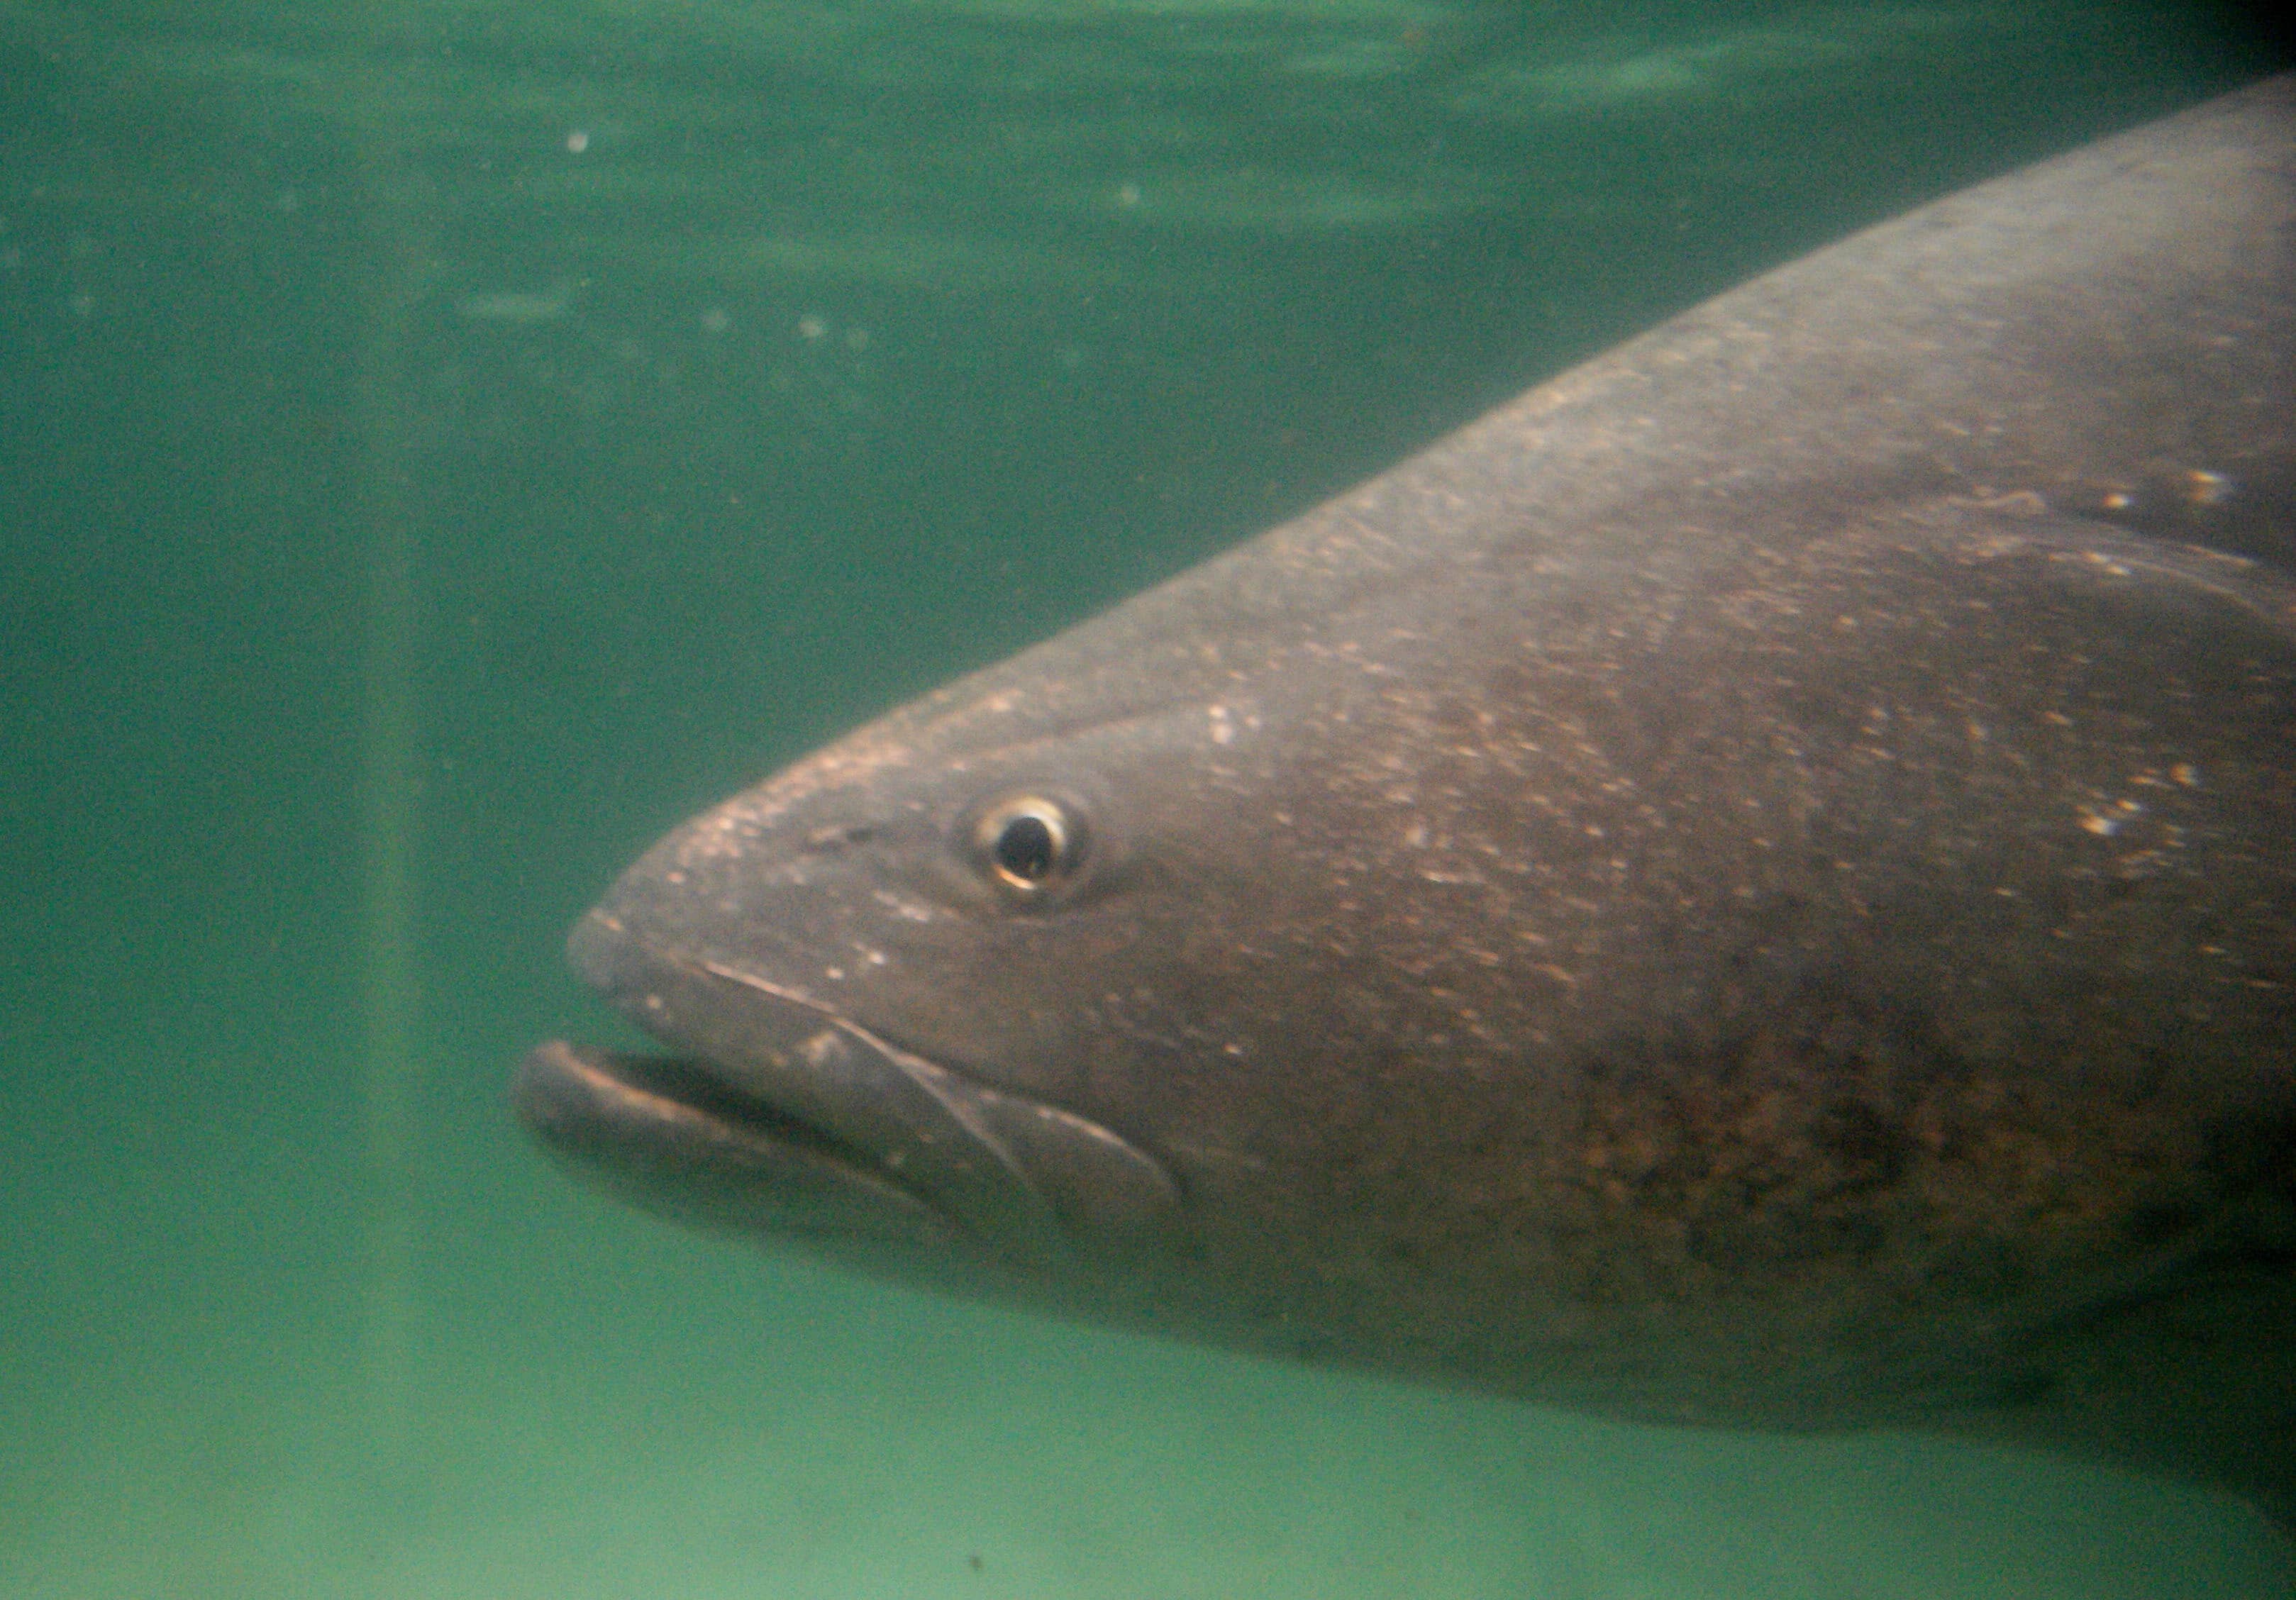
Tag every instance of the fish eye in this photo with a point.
(1028, 843)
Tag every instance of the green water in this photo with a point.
(442, 444)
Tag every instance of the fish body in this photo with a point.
(1754, 885)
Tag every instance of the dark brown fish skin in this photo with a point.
(1754, 885)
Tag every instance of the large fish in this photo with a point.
(1755, 885)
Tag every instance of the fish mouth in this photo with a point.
(775, 1112)
(664, 1132)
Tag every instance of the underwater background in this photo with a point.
(443, 443)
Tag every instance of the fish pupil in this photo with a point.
(1027, 849)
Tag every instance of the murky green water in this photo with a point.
(443, 444)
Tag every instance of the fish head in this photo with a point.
(939, 994)
(1750, 886)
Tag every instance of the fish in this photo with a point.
(1752, 887)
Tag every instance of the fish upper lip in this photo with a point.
(631, 972)
(690, 1131)
(602, 949)
(778, 1057)
(1030, 1180)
